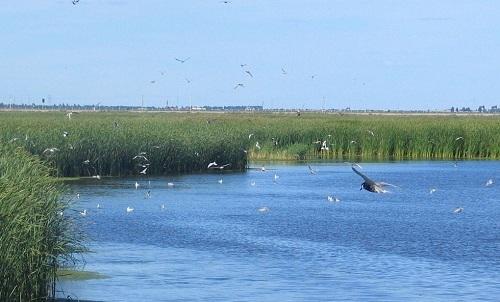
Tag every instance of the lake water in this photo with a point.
(211, 243)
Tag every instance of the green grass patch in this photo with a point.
(187, 142)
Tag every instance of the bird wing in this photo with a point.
(367, 180)
(385, 184)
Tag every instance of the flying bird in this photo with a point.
(140, 156)
(75, 2)
(257, 145)
(249, 73)
(129, 209)
(458, 210)
(370, 185)
(371, 132)
(250, 135)
(136, 185)
(432, 190)
(283, 71)
(83, 213)
(212, 164)
(144, 171)
(181, 60)
(459, 138)
(239, 85)
(311, 170)
(490, 182)
(263, 209)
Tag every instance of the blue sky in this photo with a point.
(363, 54)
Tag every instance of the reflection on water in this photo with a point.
(209, 242)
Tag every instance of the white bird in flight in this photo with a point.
(212, 164)
(129, 209)
(458, 138)
(432, 190)
(257, 145)
(458, 210)
(136, 185)
(83, 213)
(263, 210)
(144, 171)
(490, 182)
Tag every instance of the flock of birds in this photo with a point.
(368, 184)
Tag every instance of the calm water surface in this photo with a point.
(210, 242)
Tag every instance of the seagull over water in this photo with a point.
(370, 185)
(489, 182)
(311, 170)
(458, 210)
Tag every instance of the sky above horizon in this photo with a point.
(302, 54)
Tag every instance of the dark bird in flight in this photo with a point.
(75, 2)
(239, 85)
(182, 61)
(283, 71)
(370, 185)
(249, 73)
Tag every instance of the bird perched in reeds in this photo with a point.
(50, 151)
(370, 185)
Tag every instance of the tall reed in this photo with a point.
(34, 237)
(187, 142)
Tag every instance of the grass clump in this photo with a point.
(34, 237)
(187, 142)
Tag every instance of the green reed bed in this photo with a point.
(187, 142)
(34, 238)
